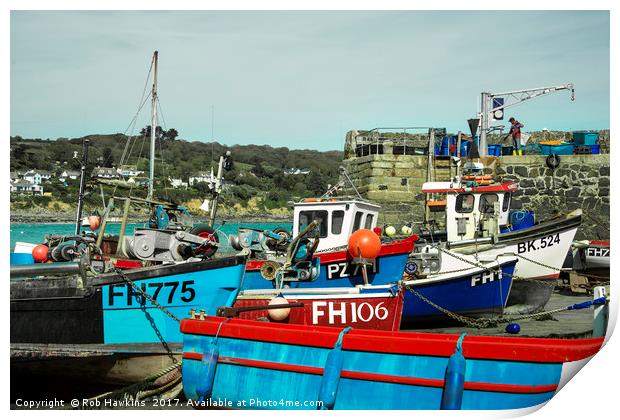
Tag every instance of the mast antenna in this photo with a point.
(153, 128)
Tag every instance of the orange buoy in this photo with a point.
(364, 243)
(278, 314)
(39, 253)
(94, 222)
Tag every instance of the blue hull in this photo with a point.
(126, 320)
(390, 269)
(266, 366)
(476, 293)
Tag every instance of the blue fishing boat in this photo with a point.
(477, 290)
(243, 364)
(65, 320)
(335, 269)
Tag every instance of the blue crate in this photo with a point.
(494, 149)
(585, 137)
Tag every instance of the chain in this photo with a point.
(146, 295)
(333, 249)
(543, 282)
(470, 322)
(540, 264)
(484, 322)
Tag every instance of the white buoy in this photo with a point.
(406, 230)
(390, 231)
(279, 314)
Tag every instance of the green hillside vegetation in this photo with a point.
(258, 182)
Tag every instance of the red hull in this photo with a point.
(358, 311)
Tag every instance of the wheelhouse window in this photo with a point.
(357, 221)
(368, 224)
(506, 203)
(337, 220)
(306, 217)
(465, 203)
(486, 203)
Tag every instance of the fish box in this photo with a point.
(494, 149)
(585, 137)
(556, 149)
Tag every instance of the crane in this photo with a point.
(493, 105)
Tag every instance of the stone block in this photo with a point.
(526, 183)
(521, 171)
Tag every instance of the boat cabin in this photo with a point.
(338, 219)
(473, 212)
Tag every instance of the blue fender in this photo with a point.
(206, 371)
(331, 374)
(454, 384)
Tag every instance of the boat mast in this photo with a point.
(153, 128)
(78, 216)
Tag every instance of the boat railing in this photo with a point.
(410, 140)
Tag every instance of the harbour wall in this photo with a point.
(580, 181)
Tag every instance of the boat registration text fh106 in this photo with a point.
(347, 312)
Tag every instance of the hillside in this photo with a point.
(257, 182)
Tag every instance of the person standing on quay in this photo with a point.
(515, 132)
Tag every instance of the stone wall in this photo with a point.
(581, 181)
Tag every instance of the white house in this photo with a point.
(36, 176)
(296, 171)
(177, 183)
(128, 171)
(202, 177)
(32, 177)
(105, 173)
(69, 175)
(25, 187)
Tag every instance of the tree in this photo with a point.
(160, 134)
(171, 134)
(315, 183)
(108, 160)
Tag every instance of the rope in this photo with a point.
(134, 389)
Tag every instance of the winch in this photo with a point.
(423, 261)
(258, 241)
(168, 245)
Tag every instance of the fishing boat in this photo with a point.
(476, 217)
(322, 249)
(244, 364)
(480, 290)
(65, 320)
(591, 257)
(369, 307)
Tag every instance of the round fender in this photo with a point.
(553, 161)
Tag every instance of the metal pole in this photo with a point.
(484, 125)
(153, 127)
(78, 217)
(601, 314)
(429, 170)
(120, 249)
(216, 192)
(104, 222)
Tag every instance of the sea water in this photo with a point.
(35, 232)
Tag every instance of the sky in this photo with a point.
(301, 79)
